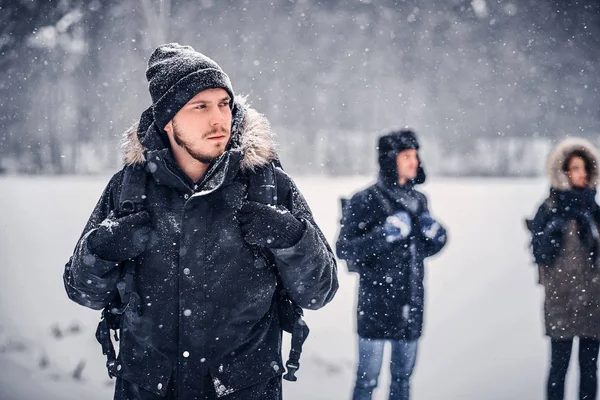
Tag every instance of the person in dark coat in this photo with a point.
(566, 245)
(386, 233)
(208, 326)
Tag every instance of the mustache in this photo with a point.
(213, 132)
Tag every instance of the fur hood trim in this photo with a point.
(255, 137)
(558, 177)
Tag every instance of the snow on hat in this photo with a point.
(176, 74)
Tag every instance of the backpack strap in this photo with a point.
(299, 332)
(131, 199)
(262, 188)
(133, 189)
(107, 322)
(351, 265)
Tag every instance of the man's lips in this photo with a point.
(217, 137)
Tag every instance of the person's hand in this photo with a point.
(120, 239)
(555, 225)
(397, 227)
(269, 226)
(430, 228)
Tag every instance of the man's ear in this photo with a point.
(169, 127)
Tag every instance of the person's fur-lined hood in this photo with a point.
(251, 133)
(556, 160)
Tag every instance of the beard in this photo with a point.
(205, 157)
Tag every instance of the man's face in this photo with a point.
(202, 127)
(407, 164)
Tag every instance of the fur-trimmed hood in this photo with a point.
(558, 177)
(251, 134)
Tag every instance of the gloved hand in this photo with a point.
(119, 239)
(571, 212)
(587, 228)
(430, 228)
(555, 225)
(583, 217)
(397, 227)
(269, 226)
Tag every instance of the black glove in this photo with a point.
(119, 239)
(588, 230)
(269, 226)
(555, 225)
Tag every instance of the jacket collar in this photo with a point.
(401, 197)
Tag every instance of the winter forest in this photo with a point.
(491, 87)
(487, 84)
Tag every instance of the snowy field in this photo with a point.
(483, 330)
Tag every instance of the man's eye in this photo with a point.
(200, 106)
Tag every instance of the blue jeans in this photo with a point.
(370, 357)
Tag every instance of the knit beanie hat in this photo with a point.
(176, 74)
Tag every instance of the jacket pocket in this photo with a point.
(151, 373)
(234, 375)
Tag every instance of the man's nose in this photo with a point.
(216, 117)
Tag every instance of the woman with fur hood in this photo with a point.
(566, 246)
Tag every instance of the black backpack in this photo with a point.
(262, 188)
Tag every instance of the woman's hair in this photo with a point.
(587, 160)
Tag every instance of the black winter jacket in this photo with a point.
(391, 293)
(566, 243)
(208, 307)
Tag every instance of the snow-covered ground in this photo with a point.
(483, 334)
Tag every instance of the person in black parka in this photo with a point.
(208, 325)
(386, 233)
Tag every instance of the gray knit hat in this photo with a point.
(176, 74)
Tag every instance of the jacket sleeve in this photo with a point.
(546, 235)
(433, 246)
(361, 237)
(90, 280)
(308, 269)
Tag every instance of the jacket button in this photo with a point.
(119, 367)
(186, 271)
(186, 196)
(187, 313)
(159, 386)
(186, 354)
